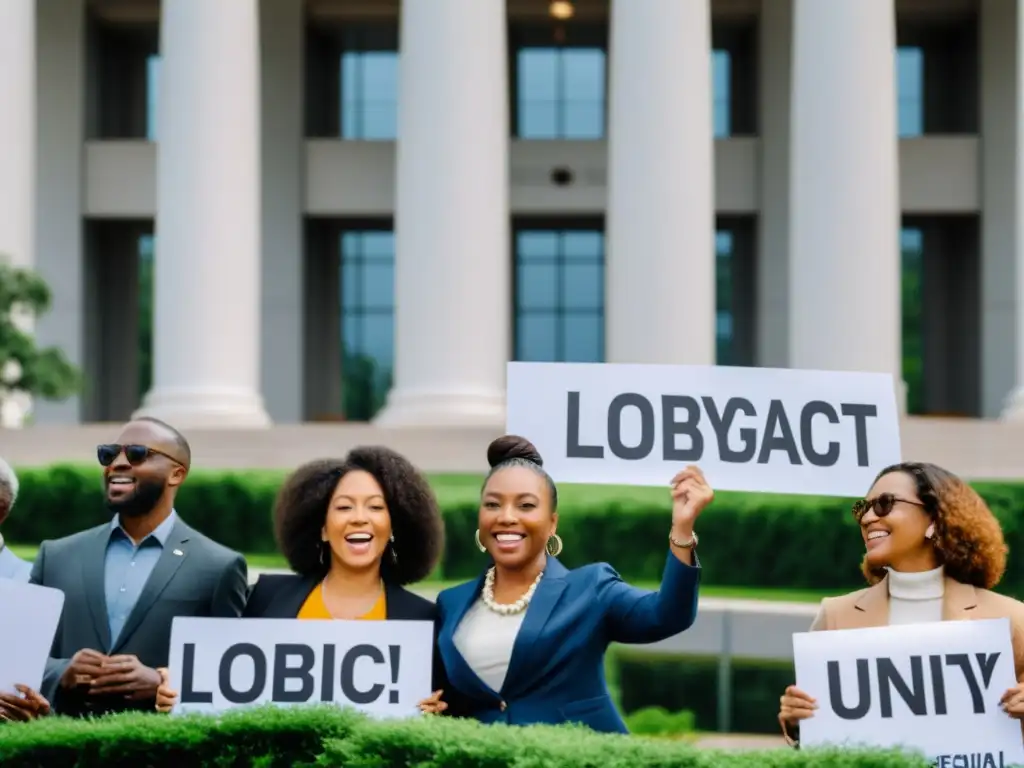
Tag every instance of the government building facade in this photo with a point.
(286, 211)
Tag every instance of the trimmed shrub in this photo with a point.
(266, 737)
(682, 682)
(762, 540)
(658, 721)
(449, 743)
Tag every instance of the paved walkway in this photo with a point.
(741, 741)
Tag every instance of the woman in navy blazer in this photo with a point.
(525, 642)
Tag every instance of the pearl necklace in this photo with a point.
(507, 609)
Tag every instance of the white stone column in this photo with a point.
(844, 228)
(1003, 126)
(660, 267)
(207, 271)
(452, 271)
(17, 157)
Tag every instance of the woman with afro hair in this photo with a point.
(355, 531)
(934, 552)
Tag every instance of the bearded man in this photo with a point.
(125, 581)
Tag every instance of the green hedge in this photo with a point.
(690, 683)
(761, 540)
(282, 738)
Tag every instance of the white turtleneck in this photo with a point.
(915, 598)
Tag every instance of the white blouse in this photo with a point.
(485, 640)
(916, 598)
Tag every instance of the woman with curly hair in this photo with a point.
(355, 531)
(934, 552)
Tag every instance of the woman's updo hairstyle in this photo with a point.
(516, 451)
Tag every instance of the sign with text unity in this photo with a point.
(749, 429)
(932, 687)
(35, 611)
(382, 668)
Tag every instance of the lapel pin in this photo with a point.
(179, 553)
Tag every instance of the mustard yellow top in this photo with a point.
(315, 608)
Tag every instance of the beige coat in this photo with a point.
(961, 602)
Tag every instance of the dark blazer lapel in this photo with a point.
(287, 602)
(94, 562)
(459, 672)
(548, 593)
(173, 555)
(403, 605)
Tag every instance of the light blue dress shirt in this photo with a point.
(127, 568)
(12, 566)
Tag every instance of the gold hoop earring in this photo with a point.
(554, 549)
(476, 537)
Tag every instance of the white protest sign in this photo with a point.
(749, 429)
(382, 668)
(35, 611)
(933, 687)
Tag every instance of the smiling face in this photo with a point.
(515, 517)
(898, 539)
(136, 483)
(358, 524)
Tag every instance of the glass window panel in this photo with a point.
(367, 320)
(721, 83)
(378, 285)
(581, 338)
(912, 278)
(352, 331)
(582, 121)
(536, 337)
(378, 339)
(582, 286)
(536, 245)
(560, 93)
(910, 91)
(583, 70)
(379, 122)
(351, 284)
(582, 245)
(723, 324)
(152, 96)
(369, 95)
(537, 74)
(351, 69)
(380, 75)
(537, 286)
(723, 242)
(537, 120)
(378, 245)
(567, 324)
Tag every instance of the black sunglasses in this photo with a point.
(135, 454)
(882, 504)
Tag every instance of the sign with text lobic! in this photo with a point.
(749, 429)
(931, 687)
(382, 668)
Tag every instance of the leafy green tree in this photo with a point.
(24, 367)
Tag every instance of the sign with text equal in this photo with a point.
(749, 429)
(933, 687)
(382, 668)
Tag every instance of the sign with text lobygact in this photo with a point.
(382, 668)
(749, 429)
(930, 687)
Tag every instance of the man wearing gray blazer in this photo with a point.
(126, 580)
